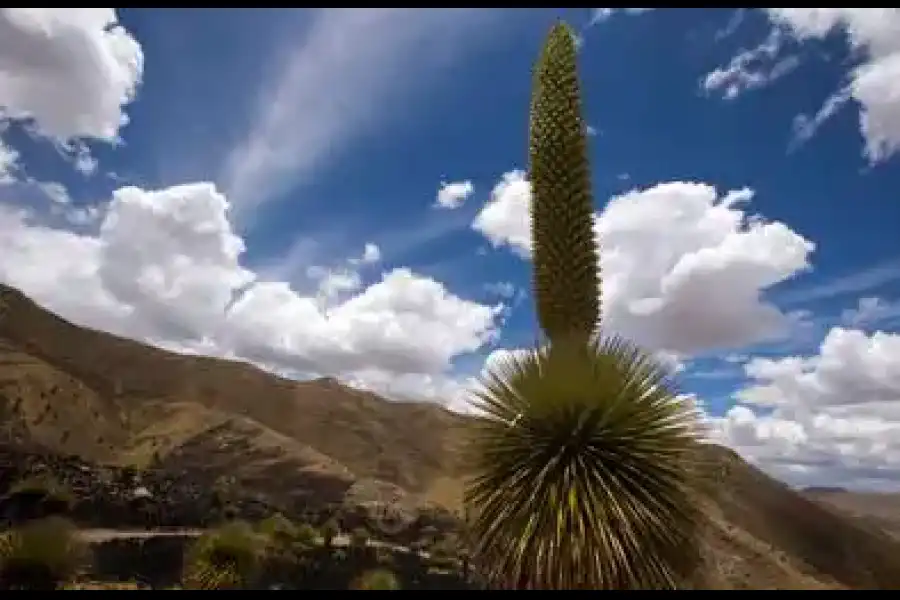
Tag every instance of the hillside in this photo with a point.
(880, 510)
(119, 402)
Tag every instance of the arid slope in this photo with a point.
(113, 400)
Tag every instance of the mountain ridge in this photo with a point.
(112, 400)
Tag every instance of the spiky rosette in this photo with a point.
(583, 470)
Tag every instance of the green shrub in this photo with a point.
(306, 536)
(41, 555)
(277, 528)
(228, 557)
(285, 537)
(376, 579)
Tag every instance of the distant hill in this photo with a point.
(119, 402)
(880, 510)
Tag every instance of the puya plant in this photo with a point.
(584, 456)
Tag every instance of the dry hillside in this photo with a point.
(880, 510)
(113, 400)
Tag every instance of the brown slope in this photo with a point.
(821, 542)
(880, 510)
(43, 404)
(228, 417)
(403, 443)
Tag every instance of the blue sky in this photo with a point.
(744, 175)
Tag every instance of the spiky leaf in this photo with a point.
(566, 279)
(583, 470)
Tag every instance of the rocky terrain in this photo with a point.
(146, 439)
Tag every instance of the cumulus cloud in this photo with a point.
(165, 267)
(70, 70)
(334, 87)
(684, 266)
(9, 163)
(504, 218)
(829, 417)
(873, 35)
(452, 195)
(451, 392)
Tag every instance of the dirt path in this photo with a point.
(100, 536)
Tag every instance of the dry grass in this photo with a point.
(115, 400)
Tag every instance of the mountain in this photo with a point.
(119, 402)
(881, 510)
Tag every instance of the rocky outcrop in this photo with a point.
(96, 496)
(107, 497)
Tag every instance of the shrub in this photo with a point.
(277, 528)
(330, 530)
(38, 497)
(376, 579)
(41, 555)
(228, 557)
(306, 536)
(286, 539)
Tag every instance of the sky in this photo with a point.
(342, 192)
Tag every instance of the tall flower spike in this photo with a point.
(566, 274)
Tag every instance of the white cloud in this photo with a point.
(70, 69)
(850, 283)
(348, 75)
(871, 310)
(504, 289)
(165, 267)
(683, 266)
(334, 282)
(602, 14)
(452, 195)
(9, 163)
(504, 218)
(874, 82)
(832, 417)
(451, 392)
(371, 254)
(751, 69)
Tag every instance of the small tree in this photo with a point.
(41, 555)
